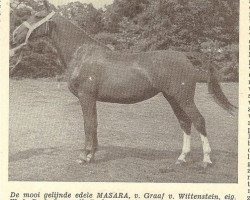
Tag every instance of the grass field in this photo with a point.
(136, 141)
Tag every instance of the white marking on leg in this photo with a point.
(90, 157)
(206, 149)
(185, 147)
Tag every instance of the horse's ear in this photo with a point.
(46, 5)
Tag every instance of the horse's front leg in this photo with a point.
(88, 104)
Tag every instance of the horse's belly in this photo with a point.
(126, 89)
(125, 96)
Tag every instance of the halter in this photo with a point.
(32, 27)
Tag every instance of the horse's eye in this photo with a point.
(41, 14)
(38, 16)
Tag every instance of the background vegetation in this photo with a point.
(207, 26)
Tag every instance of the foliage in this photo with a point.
(84, 15)
(208, 26)
(39, 59)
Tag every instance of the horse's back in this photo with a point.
(133, 77)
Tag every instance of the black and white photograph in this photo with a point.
(135, 91)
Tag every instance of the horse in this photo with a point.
(96, 73)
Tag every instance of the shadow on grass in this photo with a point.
(22, 155)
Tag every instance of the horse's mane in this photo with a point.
(78, 28)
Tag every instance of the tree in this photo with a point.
(84, 15)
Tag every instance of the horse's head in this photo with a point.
(38, 25)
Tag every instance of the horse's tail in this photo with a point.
(212, 76)
(215, 90)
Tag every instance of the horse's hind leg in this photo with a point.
(88, 104)
(185, 124)
(199, 123)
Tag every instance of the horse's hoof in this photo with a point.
(83, 158)
(205, 165)
(89, 158)
(83, 161)
(180, 162)
(80, 161)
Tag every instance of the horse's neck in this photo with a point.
(68, 37)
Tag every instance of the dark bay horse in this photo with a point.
(98, 74)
